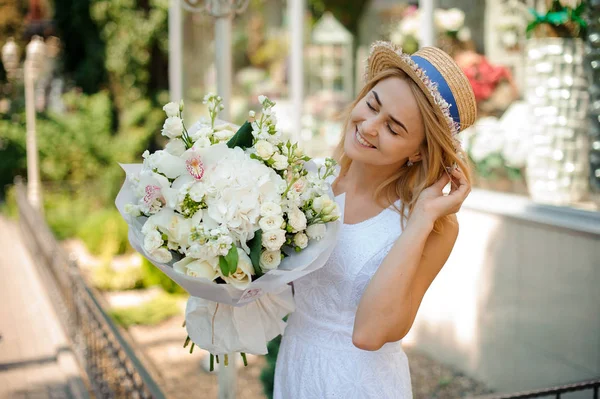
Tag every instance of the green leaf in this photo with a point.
(242, 138)
(232, 259)
(255, 246)
(224, 266)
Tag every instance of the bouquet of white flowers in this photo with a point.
(232, 216)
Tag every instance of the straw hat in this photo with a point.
(436, 73)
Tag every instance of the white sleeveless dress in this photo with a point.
(317, 359)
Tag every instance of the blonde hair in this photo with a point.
(437, 153)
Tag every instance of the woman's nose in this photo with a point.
(369, 126)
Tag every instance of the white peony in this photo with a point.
(272, 240)
(153, 240)
(270, 209)
(240, 279)
(269, 260)
(175, 147)
(316, 231)
(301, 240)
(297, 220)
(281, 162)
(171, 109)
(161, 255)
(197, 268)
(272, 222)
(173, 127)
(264, 149)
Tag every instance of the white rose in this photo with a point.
(173, 127)
(321, 202)
(269, 260)
(133, 210)
(272, 222)
(281, 162)
(240, 279)
(175, 147)
(201, 142)
(197, 268)
(264, 149)
(301, 240)
(223, 134)
(153, 240)
(272, 240)
(270, 208)
(171, 109)
(297, 220)
(161, 255)
(316, 231)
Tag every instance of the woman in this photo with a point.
(398, 151)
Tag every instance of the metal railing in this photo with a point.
(111, 366)
(591, 386)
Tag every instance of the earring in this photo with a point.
(409, 163)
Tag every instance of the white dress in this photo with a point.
(317, 359)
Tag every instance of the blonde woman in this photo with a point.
(398, 150)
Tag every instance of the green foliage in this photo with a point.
(64, 211)
(267, 375)
(9, 207)
(105, 278)
(83, 54)
(152, 312)
(136, 40)
(152, 275)
(560, 21)
(104, 233)
(347, 12)
(76, 146)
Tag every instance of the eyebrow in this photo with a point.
(396, 121)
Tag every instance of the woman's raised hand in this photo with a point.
(433, 204)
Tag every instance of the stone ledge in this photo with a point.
(522, 208)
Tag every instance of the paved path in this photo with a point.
(35, 360)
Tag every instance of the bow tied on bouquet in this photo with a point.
(232, 215)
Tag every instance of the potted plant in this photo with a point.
(556, 89)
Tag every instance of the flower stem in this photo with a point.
(212, 362)
(244, 358)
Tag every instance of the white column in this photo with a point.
(33, 173)
(175, 51)
(296, 67)
(428, 36)
(223, 63)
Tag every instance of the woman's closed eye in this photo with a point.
(387, 124)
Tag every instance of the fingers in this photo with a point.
(463, 188)
(441, 183)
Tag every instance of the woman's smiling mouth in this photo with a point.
(361, 140)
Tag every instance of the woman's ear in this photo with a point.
(416, 157)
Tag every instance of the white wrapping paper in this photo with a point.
(246, 319)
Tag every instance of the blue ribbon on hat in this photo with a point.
(443, 88)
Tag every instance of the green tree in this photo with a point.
(84, 52)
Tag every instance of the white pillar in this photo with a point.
(223, 63)
(426, 11)
(175, 51)
(33, 172)
(296, 66)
